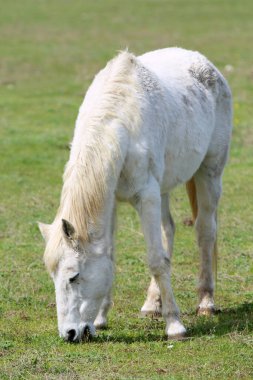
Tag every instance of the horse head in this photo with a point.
(82, 277)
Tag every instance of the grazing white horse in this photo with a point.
(146, 125)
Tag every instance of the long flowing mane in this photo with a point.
(114, 95)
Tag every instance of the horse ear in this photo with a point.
(45, 230)
(69, 232)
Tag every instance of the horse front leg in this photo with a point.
(101, 319)
(153, 304)
(148, 205)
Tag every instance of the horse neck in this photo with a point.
(90, 180)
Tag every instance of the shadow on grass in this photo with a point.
(130, 339)
(149, 331)
(229, 320)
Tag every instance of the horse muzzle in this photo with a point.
(82, 333)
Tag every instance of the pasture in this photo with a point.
(49, 53)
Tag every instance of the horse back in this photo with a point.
(186, 116)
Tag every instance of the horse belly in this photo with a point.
(185, 153)
(179, 171)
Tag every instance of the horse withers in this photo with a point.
(146, 125)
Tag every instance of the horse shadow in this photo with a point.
(226, 321)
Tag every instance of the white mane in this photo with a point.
(113, 95)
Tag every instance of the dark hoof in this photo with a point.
(151, 314)
(206, 311)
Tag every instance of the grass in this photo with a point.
(50, 51)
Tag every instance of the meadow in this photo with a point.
(49, 53)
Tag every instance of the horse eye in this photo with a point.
(74, 278)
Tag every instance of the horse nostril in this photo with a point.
(71, 335)
(87, 334)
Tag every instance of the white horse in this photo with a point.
(146, 125)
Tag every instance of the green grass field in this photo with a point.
(49, 53)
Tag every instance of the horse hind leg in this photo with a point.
(208, 187)
(101, 319)
(152, 306)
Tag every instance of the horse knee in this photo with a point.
(159, 265)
